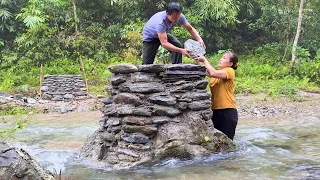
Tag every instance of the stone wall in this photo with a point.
(63, 88)
(155, 112)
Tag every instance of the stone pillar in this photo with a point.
(155, 112)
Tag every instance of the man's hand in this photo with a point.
(185, 52)
(202, 43)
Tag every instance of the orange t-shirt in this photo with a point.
(222, 91)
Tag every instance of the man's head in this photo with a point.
(174, 10)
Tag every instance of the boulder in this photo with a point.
(18, 164)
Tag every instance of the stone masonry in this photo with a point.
(155, 112)
(63, 88)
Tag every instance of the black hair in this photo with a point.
(234, 60)
(173, 7)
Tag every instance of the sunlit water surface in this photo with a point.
(274, 148)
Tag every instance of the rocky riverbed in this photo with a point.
(250, 106)
(263, 106)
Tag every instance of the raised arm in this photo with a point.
(194, 34)
(211, 71)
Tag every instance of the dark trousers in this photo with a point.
(225, 120)
(150, 49)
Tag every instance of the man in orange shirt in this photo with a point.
(223, 104)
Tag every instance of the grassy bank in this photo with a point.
(256, 74)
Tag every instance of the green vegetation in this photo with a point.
(57, 34)
(11, 127)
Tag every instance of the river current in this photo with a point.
(267, 148)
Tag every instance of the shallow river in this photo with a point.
(274, 148)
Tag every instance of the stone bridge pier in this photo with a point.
(155, 112)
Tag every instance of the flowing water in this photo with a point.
(270, 148)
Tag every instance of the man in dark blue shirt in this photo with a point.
(156, 33)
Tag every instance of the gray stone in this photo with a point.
(131, 110)
(196, 96)
(165, 111)
(123, 68)
(31, 101)
(107, 100)
(152, 68)
(115, 80)
(114, 121)
(18, 164)
(199, 105)
(144, 88)
(163, 99)
(182, 105)
(17, 96)
(140, 129)
(195, 48)
(143, 77)
(44, 88)
(136, 120)
(160, 119)
(109, 109)
(187, 73)
(103, 122)
(201, 84)
(127, 98)
(3, 94)
(138, 138)
(128, 152)
(186, 67)
(183, 88)
(68, 96)
(206, 115)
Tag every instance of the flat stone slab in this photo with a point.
(195, 48)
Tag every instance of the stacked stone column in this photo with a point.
(143, 103)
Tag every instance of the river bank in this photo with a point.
(264, 106)
(249, 106)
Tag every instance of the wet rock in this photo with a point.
(137, 138)
(18, 164)
(137, 120)
(142, 129)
